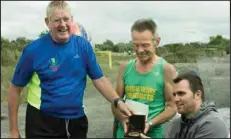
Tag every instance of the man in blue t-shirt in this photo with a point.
(61, 61)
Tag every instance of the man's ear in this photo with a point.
(157, 41)
(198, 94)
(47, 22)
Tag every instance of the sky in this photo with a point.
(177, 21)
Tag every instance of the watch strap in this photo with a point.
(150, 124)
(116, 101)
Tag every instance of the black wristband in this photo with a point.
(116, 101)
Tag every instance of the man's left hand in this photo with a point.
(147, 127)
(143, 136)
(124, 108)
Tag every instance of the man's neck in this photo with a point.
(59, 42)
(195, 112)
(151, 61)
(142, 67)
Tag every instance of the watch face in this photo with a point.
(116, 101)
(150, 123)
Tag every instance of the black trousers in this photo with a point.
(40, 125)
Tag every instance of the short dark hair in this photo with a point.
(194, 80)
(144, 24)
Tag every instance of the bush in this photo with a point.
(8, 57)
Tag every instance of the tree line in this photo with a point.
(175, 52)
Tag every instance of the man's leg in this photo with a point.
(78, 127)
(40, 125)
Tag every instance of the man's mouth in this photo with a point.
(179, 105)
(62, 30)
(142, 55)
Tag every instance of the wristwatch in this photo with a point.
(150, 124)
(116, 101)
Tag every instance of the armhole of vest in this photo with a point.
(163, 61)
(128, 67)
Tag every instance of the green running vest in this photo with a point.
(147, 88)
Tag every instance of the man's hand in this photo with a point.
(13, 105)
(14, 135)
(125, 122)
(147, 127)
(125, 109)
(143, 136)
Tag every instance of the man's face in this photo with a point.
(143, 44)
(184, 97)
(60, 23)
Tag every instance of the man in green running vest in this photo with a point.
(147, 79)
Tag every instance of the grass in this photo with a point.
(7, 73)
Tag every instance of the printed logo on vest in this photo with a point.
(76, 56)
(53, 64)
(156, 73)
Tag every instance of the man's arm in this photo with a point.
(215, 128)
(101, 83)
(171, 109)
(106, 89)
(120, 91)
(13, 105)
(173, 71)
(22, 75)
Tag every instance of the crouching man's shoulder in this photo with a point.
(172, 127)
(213, 126)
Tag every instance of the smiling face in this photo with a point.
(59, 23)
(143, 43)
(185, 99)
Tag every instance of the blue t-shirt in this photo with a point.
(62, 70)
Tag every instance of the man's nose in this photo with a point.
(176, 98)
(140, 49)
(62, 22)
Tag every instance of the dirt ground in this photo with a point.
(97, 110)
(99, 116)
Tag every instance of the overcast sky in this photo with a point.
(177, 21)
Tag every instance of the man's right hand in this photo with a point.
(125, 122)
(124, 108)
(143, 136)
(13, 105)
(15, 135)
